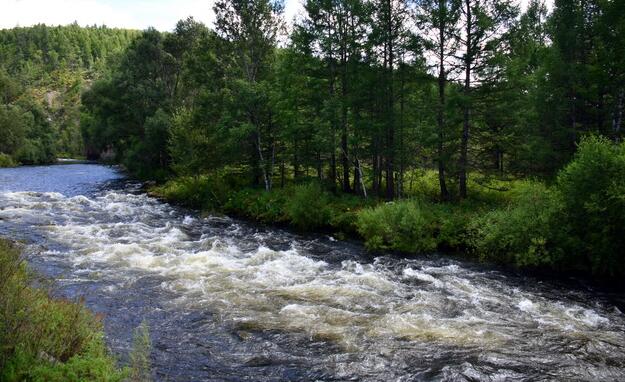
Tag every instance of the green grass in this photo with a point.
(306, 207)
(47, 339)
(6, 161)
(409, 225)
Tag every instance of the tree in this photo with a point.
(391, 23)
(483, 23)
(129, 111)
(438, 22)
(252, 27)
(335, 31)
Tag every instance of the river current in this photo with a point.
(228, 300)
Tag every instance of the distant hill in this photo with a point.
(43, 71)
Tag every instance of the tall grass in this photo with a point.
(47, 339)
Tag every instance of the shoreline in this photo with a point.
(571, 278)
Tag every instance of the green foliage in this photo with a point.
(307, 208)
(29, 136)
(403, 226)
(131, 110)
(422, 183)
(204, 192)
(593, 196)
(452, 223)
(227, 111)
(140, 368)
(259, 205)
(34, 52)
(13, 127)
(188, 145)
(147, 158)
(44, 339)
(43, 71)
(6, 161)
(576, 225)
(521, 233)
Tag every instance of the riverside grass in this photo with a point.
(573, 226)
(416, 224)
(47, 339)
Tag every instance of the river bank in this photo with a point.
(44, 338)
(572, 227)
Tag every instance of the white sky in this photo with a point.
(134, 14)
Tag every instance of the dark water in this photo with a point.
(225, 300)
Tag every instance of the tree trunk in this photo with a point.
(361, 179)
(618, 114)
(319, 167)
(357, 180)
(402, 102)
(333, 170)
(344, 155)
(390, 131)
(344, 148)
(442, 82)
(464, 142)
(296, 169)
(376, 168)
(262, 162)
(282, 173)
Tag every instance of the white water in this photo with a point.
(469, 323)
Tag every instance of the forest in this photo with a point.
(432, 125)
(43, 72)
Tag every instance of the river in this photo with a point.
(229, 300)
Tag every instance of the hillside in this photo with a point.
(43, 71)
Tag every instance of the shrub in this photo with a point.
(403, 226)
(522, 232)
(593, 195)
(452, 223)
(344, 211)
(6, 161)
(140, 367)
(257, 204)
(206, 192)
(43, 339)
(422, 183)
(307, 208)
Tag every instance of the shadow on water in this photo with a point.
(227, 300)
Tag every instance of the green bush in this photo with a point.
(6, 161)
(307, 208)
(206, 192)
(593, 195)
(344, 211)
(140, 366)
(403, 226)
(257, 204)
(35, 152)
(522, 232)
(452, 223)
(43, 339)
(423, 184)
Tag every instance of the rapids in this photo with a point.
(228, 300)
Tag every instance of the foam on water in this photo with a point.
(402, 307)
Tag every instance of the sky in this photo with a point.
(133, 14)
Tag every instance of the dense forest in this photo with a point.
(486, 128)
(43, 72)
(364, 92)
